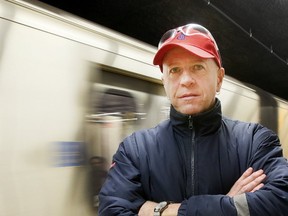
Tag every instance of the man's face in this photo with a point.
(190, 82)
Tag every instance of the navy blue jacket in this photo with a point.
(195, 160)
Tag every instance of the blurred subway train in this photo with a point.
(71, 90)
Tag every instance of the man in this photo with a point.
(198, 162)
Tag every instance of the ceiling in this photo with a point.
(252, 35)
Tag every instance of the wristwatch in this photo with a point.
(160, 208)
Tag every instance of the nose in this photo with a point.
(187, 78)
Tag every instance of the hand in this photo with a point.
(249, 182)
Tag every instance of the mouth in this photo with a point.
(188, 96)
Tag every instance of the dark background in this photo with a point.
(252, 35)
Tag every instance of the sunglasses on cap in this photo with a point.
(193, 37)
(188, 30)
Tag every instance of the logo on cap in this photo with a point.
(181, 37)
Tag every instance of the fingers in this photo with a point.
(257, 187)
(249, 176)
(247, 173)
(248, 182)
(253, 182)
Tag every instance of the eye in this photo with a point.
(175, 70)
(198, 67)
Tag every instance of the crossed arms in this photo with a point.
(249, 182)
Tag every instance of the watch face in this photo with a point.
(160, 208)
(162, 204)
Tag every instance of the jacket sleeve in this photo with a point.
(272, 199)
(264, 153)
(122, 191)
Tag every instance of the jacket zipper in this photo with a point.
(192, 155)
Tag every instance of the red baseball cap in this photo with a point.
(192, 37)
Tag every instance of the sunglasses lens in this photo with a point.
(166, 36)
(191, 28)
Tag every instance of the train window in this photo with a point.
(128, 80)
(120, 105)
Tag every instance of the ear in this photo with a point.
(165, 86)
(220, 77)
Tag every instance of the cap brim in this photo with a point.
(158, 58)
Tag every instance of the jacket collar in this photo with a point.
(203, 123)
